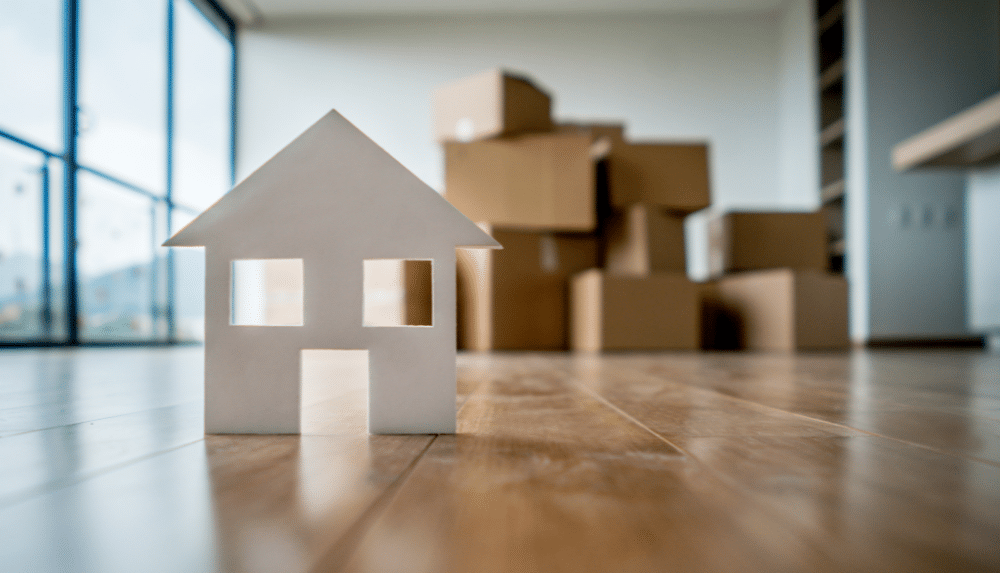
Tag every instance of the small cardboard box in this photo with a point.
(660, 311)
(490, 104)
(532, 182)
(672, 176)
(754, 241)
(784, 309)
(516, 298)
(644, 239)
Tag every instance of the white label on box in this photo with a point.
(465, 129)
(548, 254)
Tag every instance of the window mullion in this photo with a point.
(71, 69)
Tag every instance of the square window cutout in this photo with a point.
(267, 292)
(398, 292)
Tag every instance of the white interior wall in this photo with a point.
(688, 77)
(798, 108)
(796, 136)
(734, 80)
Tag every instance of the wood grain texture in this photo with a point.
(544, 477)
(880, 502)
(863, 461)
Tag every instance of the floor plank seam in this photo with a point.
(22, 433)
(341, 551)
(834, 424)
(813, 539)
(64, 483)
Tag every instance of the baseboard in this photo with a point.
(958, 342)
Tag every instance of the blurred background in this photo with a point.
(122, 120)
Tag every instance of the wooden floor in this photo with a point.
(868, 461)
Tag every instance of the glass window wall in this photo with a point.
(123, 89)
(201, 117)
(29, 292)
(152, 86)
(31, 68)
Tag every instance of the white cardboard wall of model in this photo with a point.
(331, 198)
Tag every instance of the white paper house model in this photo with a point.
(330, 200)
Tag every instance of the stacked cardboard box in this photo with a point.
(544, 182)
(642, 298)
(566, 200)
(758, 241)
(515, 298)
(771, 289)
(622, 312)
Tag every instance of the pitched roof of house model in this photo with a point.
(335, 175)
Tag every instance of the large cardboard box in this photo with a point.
(754, 241)
(490, 104)
(785, 309)
(644, 239)
(660, 311)
(671, 175)
(532, 182)
(516, 298)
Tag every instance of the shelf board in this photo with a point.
(832, 191)
(831, 75)
(827, 20)
(967, 139)
(832, 133)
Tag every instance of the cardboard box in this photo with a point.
(490, 104)
(754, 241)
(660, 311)
(516, 298)
(418, 297)
(533, 182)
(784, 309)
(613, 132)
(644, 239)
(672, 176)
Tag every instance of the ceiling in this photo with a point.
(247, 11)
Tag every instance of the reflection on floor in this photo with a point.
(869, 461)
